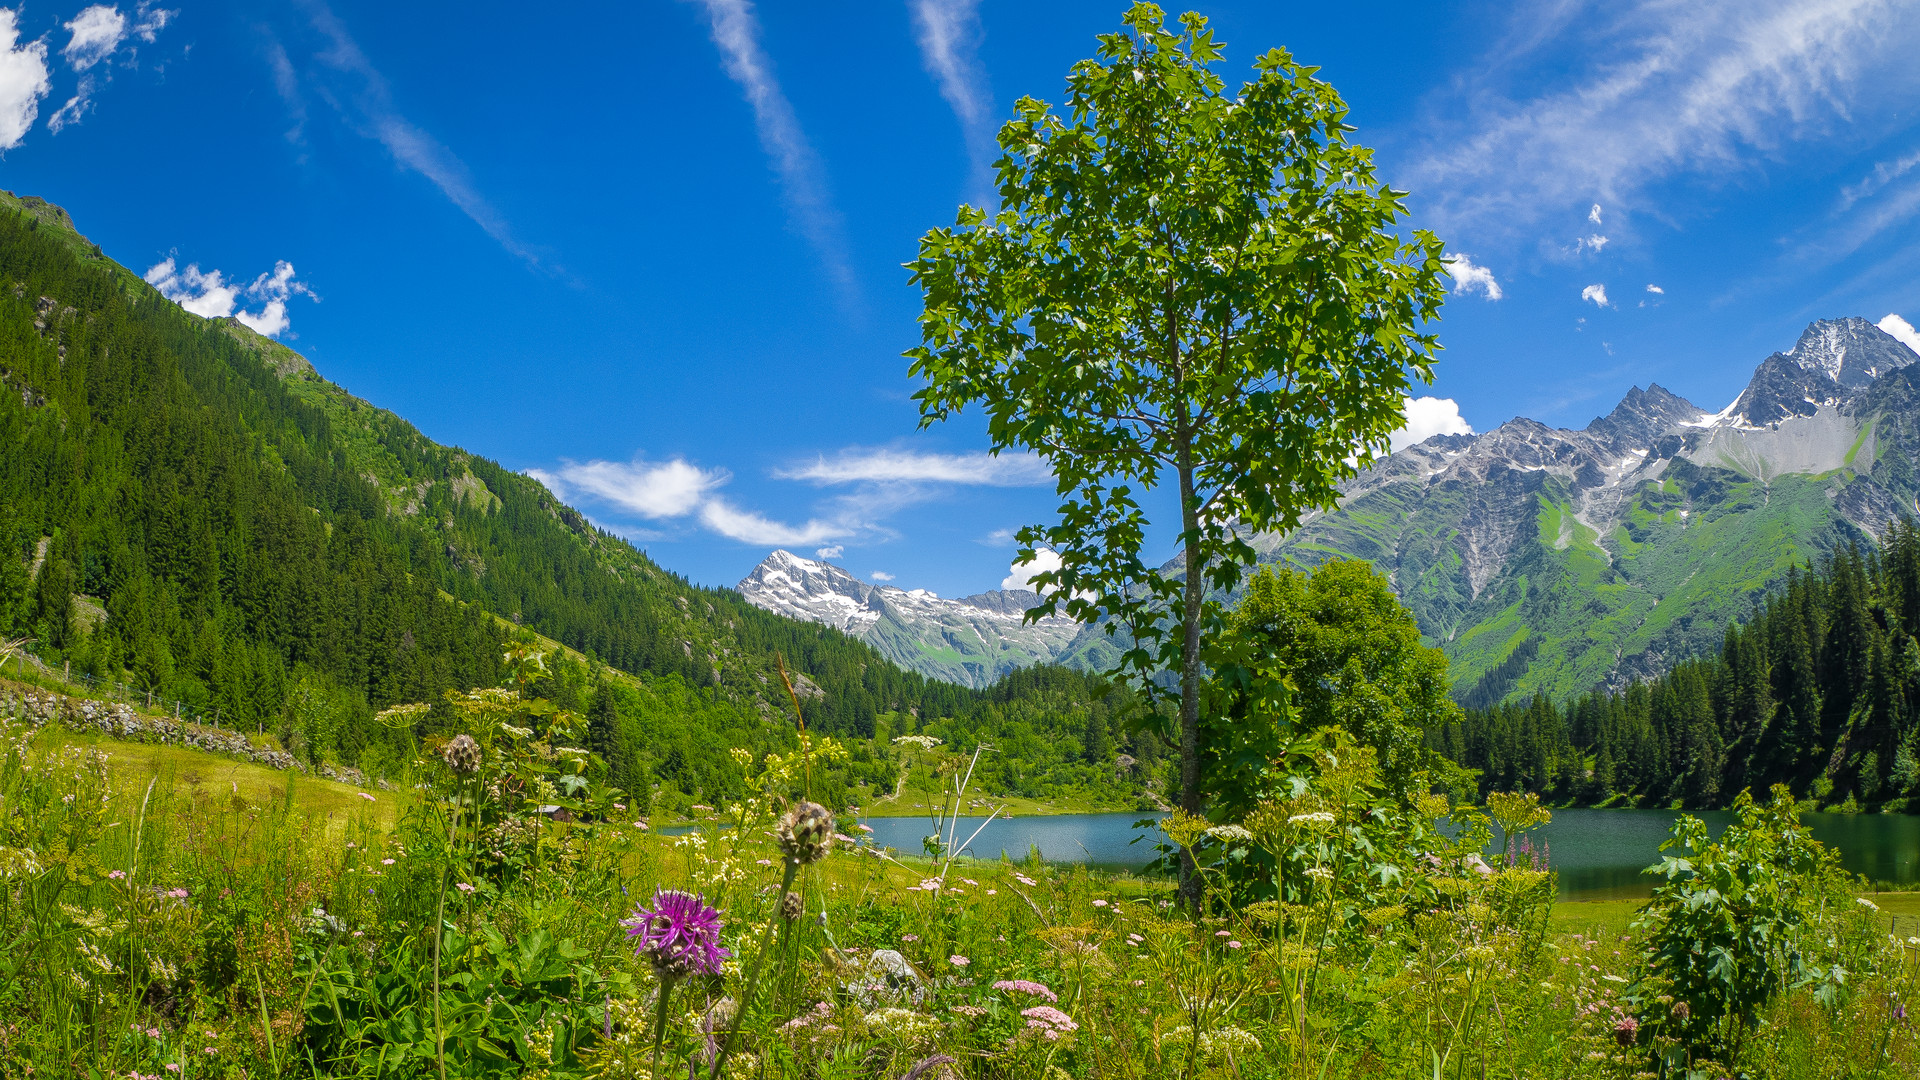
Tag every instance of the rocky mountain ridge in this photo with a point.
(972, 640)
(1556, 560)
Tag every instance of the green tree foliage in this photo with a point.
(1817, 690)
(1348, 656)
(1188, 285)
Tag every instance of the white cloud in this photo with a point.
(905, 466)
(1595, 293)
(1427, 417)
(1902, 330)
(1656, 290)
(150, 20)
(1590, 243)
(655, 490)
(736, 31)
(96, 32)
(372, 111)
(750, 528)
(1468, 277)
(1669, 88)
(1020, 575)
(1000, 538)
(833, 552)
(23, 80)
(1593, 215)
(210, 295)
(948, 32)
(76, 107)
(881, 575)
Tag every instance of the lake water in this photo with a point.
(1598, 853)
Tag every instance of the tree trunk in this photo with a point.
(1190, 670)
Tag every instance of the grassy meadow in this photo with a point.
(169, 914)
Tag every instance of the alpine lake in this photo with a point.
(1599, 854)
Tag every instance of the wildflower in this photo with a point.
(463, 887)
(1025, 880)
(679, 935)
(792, 907)
(1049, 1021)
(1233, 944)
(1236, 833)
(970, 1011)
(958, 961)
(1626, 1031)
(173, 1067)
(1022, 986)
(386, 862)
(1099, 903)
(462, 754)
(931, 884)
(1311, 820)
(116, 874)
(619, 806)
(1319, 873)
(177, 894)
(909, 937)
(1222, 933)
(971, 882)
(864, 828)
(805, 833)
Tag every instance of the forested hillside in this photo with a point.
(1819, 689)
(190, 507)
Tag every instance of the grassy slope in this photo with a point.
(1695, 551)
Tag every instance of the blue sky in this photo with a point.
(652, 250)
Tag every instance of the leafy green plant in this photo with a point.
(1731, 921)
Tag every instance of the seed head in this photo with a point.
(806, 832)
(792, 907)
(462, 754)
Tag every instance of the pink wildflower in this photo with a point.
(367, 797)
(386, 862)
(1023, 986)
(463, 887)
(116, 874)
(958, 961)
(1050, 1021)
(1099, 903)
(909, 937)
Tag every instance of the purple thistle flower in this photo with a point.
(679, 935)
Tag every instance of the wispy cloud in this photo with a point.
(736, 31)
(948, 32)
(1672, 88)
(866, 464)
(368, 107)
(653, 490)
(676, 490)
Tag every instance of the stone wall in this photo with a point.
(120, 721)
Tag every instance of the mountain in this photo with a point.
(1556, 560)
(971, 641)
(249, 539)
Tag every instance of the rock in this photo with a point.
(888, 978)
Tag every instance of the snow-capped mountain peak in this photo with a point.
(972, 640)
